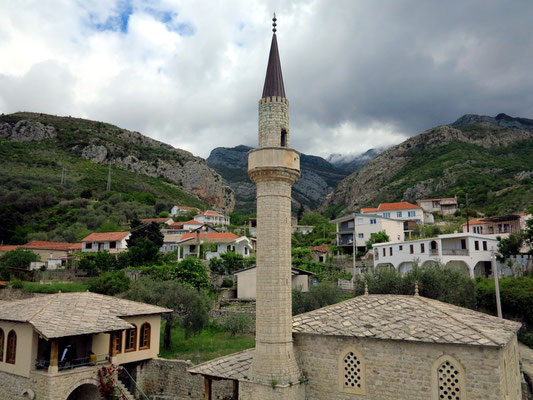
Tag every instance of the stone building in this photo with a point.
(375, 347)
(52, 347)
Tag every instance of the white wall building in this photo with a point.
(114, 242)
(466, 251)
(182, 210)
(363, 225)
(212, 218)
(222, 242)
(402, 210)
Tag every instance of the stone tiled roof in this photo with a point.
(69, 314)
(234, 366)
(409, 318)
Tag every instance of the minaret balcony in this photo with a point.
(273, 157)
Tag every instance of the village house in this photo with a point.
(52, 255)
(222, 242)
(52, 347)
(402, 210)
(162, 221)
(320, 253)
(246, 282)
(499, 226)
(113, 242)
(363, 226)
(444, 206)
(212, 218)
(187, 226)
(471, 253)
(183, 210)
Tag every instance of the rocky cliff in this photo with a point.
(103, 143)
(352, 164)
(488, 158)
(318, 178)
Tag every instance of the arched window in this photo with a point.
(11, 350)
(131, 339)
(144, 341)
(1, 345)
(351, 365)
(448, 379)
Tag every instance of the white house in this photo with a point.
(212, 218)
(469, 252)
(222, 242)
(246, 282)
(363, 225)
(444, 206)
(401, 210)
(182, 210)
(114, 242)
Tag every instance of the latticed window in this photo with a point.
(116, 342)
(11, 350)
(1, 345)
(352, 371)
(450, 378)
(131, 339)
(145, 336)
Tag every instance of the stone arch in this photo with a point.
(483, 268)
(460, 266)
(448, 375)
(351, 371)
(89, 389)
(385, 265)
(430, 263)
(405, 267)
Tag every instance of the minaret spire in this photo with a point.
(274, 78)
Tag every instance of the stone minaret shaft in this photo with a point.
(274, 168)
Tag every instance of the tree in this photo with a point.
(192, 272)
(149, 231)
(509, 246)
(18, 259)
(376, 237)
(190, 305)
(110, 283)
(143, 252)
(313, 218)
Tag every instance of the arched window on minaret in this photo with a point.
(283, 138)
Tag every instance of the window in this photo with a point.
(448, 378)
(463, 244)
(476, 245)
(1, 345)
(390, 251)
(422, 247)
(352, 372)
(112, 245)
(386, 214)
(283, 138)
(411, 248)
(485, 245)
(360, 235)
(401, 247)
(116, 340)
(88, 246)
(228, 248)
(373, 221)
(360, 221)
(411, 213)
(11, 350)
(246, 251)
(192, 248)
(131, 339)
(144, 341)
(384, 251)
(398, 213)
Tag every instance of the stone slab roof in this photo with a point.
(409, 318)
(235, 366)
(70, 314)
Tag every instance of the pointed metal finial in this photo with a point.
(274, 23)
(416, 288)
(366, 288)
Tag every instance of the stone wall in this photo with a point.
(397, 369)
(169, 380)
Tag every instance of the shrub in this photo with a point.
(110, 283)
(16, 284)
(192, 272)
(18, 259)
(321, 295)
(237, 322)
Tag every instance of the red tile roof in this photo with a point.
(8, 248)
(323, 248)
(105, 237)
(402, 205)
(76, 246)
(156, 220)
(187, 208)
(191, 222)
(368, 210)
(42, 245)
(475, 222)
(211, 236)
(176, 225)
(211, 212)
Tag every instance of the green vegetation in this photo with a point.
(18, 259)
(237, 322)
(324, 294)
(301, 258)
(110, 283)
(378, 237)
(36, 287)
(211, 343)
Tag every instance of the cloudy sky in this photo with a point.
(359, 74)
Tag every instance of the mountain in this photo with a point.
(318, 178)
(487, 157)
(148, 175)
(351, 163)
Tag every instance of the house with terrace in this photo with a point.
(402, 210)
(52, 347)
(212, 218)
(113, 242)
(444, 206)
(220, 242)
(498, 226)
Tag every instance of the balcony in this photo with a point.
(434, 252)
(455, 252)
(43, 364)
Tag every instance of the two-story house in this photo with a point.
(221, 242)
(212, 218)
(113, 242)
(444, 206)
(468, 252)
(361, 226)
(403, 210)
(183, 210)
(500, 226)
(52, 347)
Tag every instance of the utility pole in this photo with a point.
(354, 247)
(109, 179)
(467, 219)
(496, 282)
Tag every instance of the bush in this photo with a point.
(110, 283)
(18, 259)
(16, 284)
(227, 283)
(324, 294)
(192, 272)
(237, 322)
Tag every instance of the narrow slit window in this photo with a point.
(283, 138)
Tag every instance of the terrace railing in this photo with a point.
(41, 364)
(455, 252)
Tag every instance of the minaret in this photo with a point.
(274, 167)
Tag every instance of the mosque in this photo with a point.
(373, 347)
